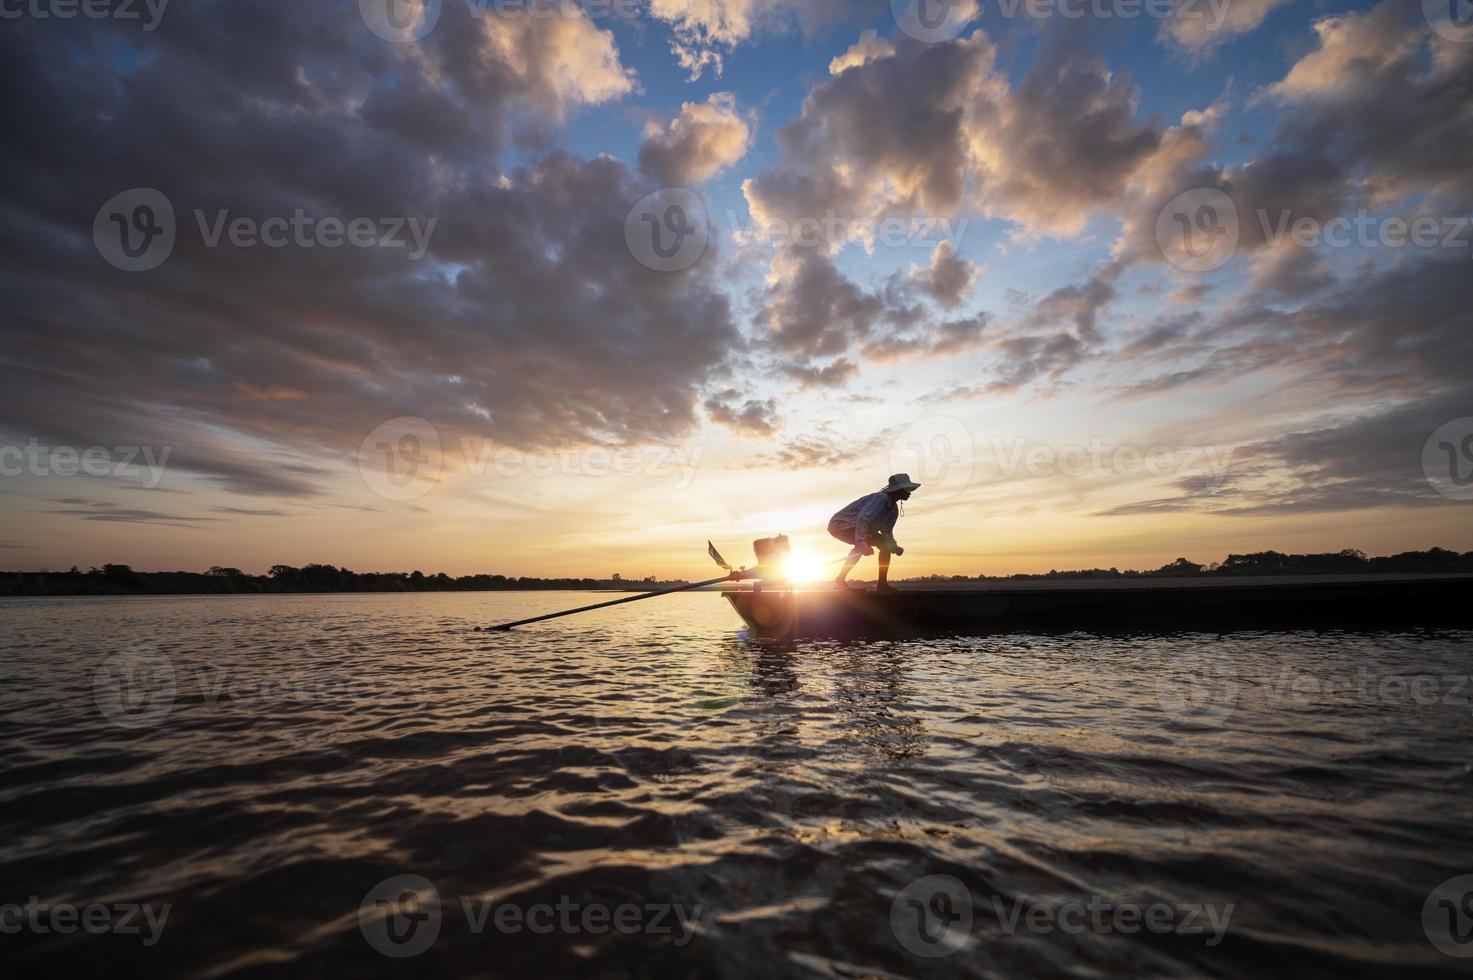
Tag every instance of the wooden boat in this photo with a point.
(1146, 606)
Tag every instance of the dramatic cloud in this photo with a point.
(885, 136)
(513, 292)
(561, 60)
(705, 139)
(1378, 113)
(527, 319)
(1385, 94)
(1065, 143)
(1371, 461)
(937, 130)
(1401, 337)
(911, 127)
(815, 311)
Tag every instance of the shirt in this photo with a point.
(874, 512)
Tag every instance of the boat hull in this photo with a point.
(1149, 607)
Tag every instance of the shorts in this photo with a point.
(845, 533)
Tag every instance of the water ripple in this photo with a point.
(786, 799)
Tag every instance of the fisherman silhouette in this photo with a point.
(869, 522)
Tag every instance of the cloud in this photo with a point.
(1370, 461)
(705, 139)
(814, 310)
(1353, 48)
(251, 512)
(906, 128)
(562, 61)
(97, 510)
(704, 29)
(527, 318)
(888, 135)
(833, 375)
(1289, 271)
(1063, 144)
(1368, 96)
(1163, 333)
(1386, 356)
(1033, 358)
(1376, 113)
(869, 47)
(818, 452)
(1389, 335)
(1079, 305)
(930, 339)
(747, 416)
(950, 277)
(1199, 26)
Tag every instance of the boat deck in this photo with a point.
(1106, 605)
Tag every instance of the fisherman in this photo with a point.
(868, 523)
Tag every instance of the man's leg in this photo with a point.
(883, 542)
(846, 535)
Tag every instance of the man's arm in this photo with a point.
(880, 514)
(871, 509)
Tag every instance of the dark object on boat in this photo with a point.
(1319, 602)
(771, 554)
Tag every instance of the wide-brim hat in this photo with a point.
(900, 481)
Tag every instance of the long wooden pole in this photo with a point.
(502, 627)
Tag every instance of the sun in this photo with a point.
(804, 567)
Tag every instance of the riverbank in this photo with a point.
(317, 579)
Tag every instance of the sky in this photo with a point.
(569, 288)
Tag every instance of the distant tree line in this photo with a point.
(123, 580)
(1347, 562)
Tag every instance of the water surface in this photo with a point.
(261, 765)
